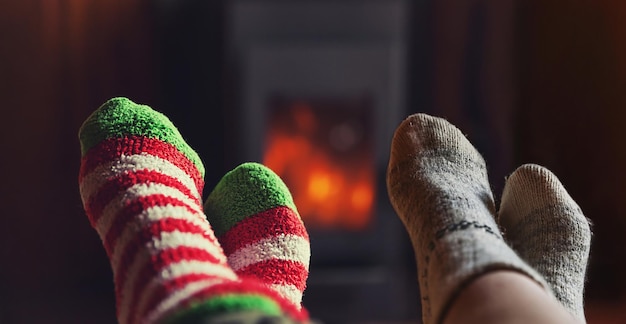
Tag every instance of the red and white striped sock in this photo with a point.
(259, 227)
(141, 188)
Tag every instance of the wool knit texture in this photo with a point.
(437, 183)
(141, 187)
(546, 227)
(259, 227)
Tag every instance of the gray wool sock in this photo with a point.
(548, 230)
(437, 183)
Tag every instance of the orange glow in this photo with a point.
(319, 187)
(362, 197)
(331, 189)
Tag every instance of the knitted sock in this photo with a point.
(437, 183)
(258, 226)
(141, 188)
(548, 230)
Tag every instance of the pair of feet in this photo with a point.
(141, 186)
(243, 253)
(437, 183)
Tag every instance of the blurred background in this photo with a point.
(313, 89)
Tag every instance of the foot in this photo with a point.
(548, 230)
(437, 183)
(258, 226)
(141, 188)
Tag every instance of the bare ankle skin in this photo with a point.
(505, 297)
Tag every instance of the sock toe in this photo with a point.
(423, 143)
(121, 117)
(247, 190)
(532, 188)
(424, 134)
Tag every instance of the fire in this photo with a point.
(331, 189)
(319, 186)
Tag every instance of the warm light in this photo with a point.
(362, 197)
(325, 161)
(319, 187)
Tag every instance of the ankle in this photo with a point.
(505, 296)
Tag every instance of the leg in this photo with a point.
(438, 185)
(505, 297)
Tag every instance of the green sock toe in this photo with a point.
(120, 117)
(248, 189)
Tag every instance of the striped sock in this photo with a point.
(258, 226)
(141, 188)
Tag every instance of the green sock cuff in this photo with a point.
(119, 117)
(247, 190)
(197, 312)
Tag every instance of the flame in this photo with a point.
(329, 191)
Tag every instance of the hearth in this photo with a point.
(320, 89)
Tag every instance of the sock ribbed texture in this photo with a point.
(141, 188)
(437, 183)
(259, 227)
(548, 230)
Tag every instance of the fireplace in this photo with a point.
(320, 89)
(322, 148)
